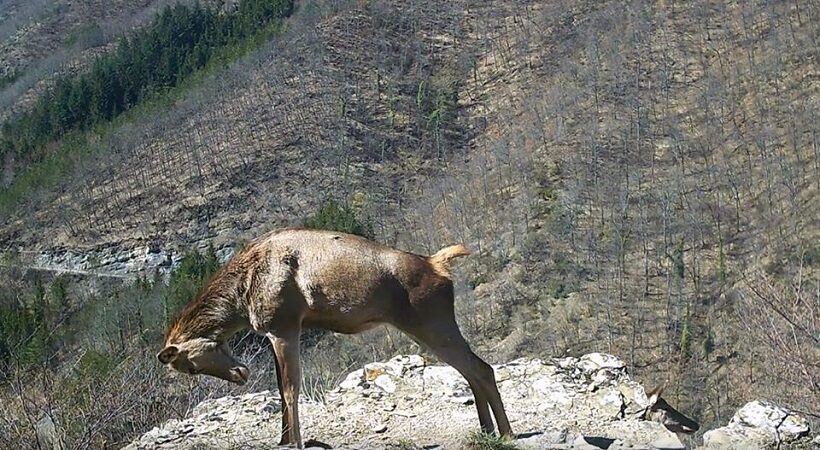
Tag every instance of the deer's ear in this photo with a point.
(168, 354)
(655, 394)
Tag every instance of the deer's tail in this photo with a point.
(441, 260)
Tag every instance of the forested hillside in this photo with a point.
(38, 144)
(41, 40)
(638, 178)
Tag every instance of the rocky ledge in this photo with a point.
(571, 403)
(112, 261)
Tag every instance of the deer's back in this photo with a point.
(348, 283)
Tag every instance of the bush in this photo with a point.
(188, 279)
(335, 217)
(87, 36)
(811, 256)
(59, 294)
(18, 325)
(95, 364)
(24, 334)
(8, 79)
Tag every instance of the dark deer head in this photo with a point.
(660, 411)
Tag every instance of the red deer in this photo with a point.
(292, 279)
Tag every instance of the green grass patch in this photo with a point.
(484, 441)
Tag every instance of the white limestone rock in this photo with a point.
(758, 425)
(581, 403)
(352, 380)
(385, 382)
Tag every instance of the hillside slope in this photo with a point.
(639, 179)
(40, 40)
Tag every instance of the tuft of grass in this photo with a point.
(479, 440)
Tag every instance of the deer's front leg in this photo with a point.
(287, 356)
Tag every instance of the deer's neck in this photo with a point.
(215, 314)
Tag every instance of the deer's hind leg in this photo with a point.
(445, 340)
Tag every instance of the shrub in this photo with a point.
(188, 279)
(335, 217)
(95, 364)
(19, 326)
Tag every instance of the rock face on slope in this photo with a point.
(580, 403)
(113, 261)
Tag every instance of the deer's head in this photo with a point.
(660, 411)
(204, 356)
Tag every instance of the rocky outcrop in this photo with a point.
(758, 425)
(244, 421)
(565, 404)
(579, 403)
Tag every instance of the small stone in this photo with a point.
(380, 428)
(401, 364)
(386, 383)
(566, 363)
(541, 440)
(352, 381)
(610, 403)
(757, 424)
(795, 426)
(446, 379)
(502, 374)
(165, 438)
(463, 400)
(668, 442)
(596, 361)
(371, 373)
(771, 417)
(390, 406)
(604, 376)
